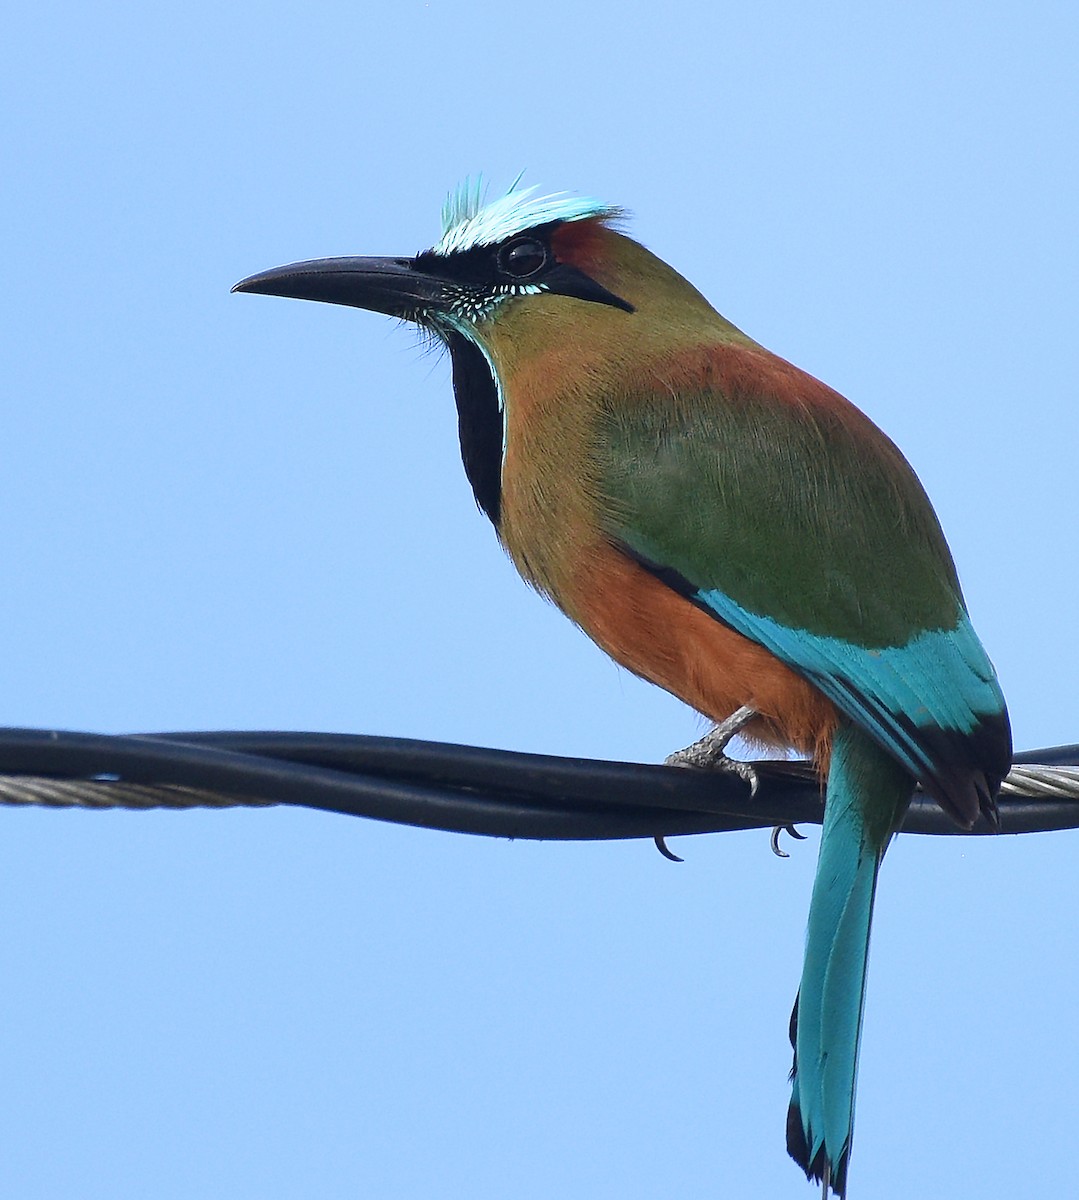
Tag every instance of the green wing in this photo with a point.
(813, 520)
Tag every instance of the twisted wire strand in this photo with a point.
(1044, 782)
(103, 794)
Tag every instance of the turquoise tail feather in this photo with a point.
(867, 794)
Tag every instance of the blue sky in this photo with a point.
(239, 512)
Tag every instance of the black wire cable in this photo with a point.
(464, 789)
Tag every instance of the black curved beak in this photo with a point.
(395, 286)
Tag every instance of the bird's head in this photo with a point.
(516, 284)
(519, 253)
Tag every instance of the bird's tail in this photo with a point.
(867, 794)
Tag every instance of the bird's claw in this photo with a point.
(664, 849)
(777, 850)
(745, 771)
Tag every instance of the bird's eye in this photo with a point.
(522, 258)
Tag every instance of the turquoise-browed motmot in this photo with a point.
(722, 524)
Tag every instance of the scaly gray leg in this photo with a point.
(707, 753)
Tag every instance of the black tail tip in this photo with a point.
(819, 1169)
(987, 802)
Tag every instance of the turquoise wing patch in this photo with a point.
(939, 688)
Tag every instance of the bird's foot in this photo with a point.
(708, 752)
